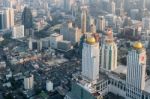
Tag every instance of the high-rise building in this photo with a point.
(1, 20)
(100, 23)
(108, 53)
(27, 20)
(136, 62)
(83, 20)
(70, 33)
(112, 7)
(28, 82)
(90, 59)
(9, 18)
(68, 4)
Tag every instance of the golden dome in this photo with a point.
(91, 40)
(138, 45)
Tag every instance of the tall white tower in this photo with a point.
(136, 62)
(90, 59)
(108, 53)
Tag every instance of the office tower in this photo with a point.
(83, 20)
(6, 16)
(108, 53)
(27, 20)
(1, 20)
(136, 62)
(9, 18)
(29, 82)
(76, 9)
(90, 22)
(90, 59)
(112, 7)
(100, 23)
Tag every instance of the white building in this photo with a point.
(29, 82)
(49, 85)
(54, 39)
(108, 53)
(90, 59)
(136, 62)
(18, 32)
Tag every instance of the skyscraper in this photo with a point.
(9, 18)
(108, 53)
(83, 20)
(112, 7)
(27, 19)
(100, 23)
(1, 20)
(68, 4)
(90, 59)
(136, 62)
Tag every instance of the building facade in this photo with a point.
(108, 53)
(90, 59)
(136, 62)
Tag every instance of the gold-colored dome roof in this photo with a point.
(91, 40)
(138, 45)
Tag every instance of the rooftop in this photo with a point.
(55, 34)
(138, 45)
(121, 70)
